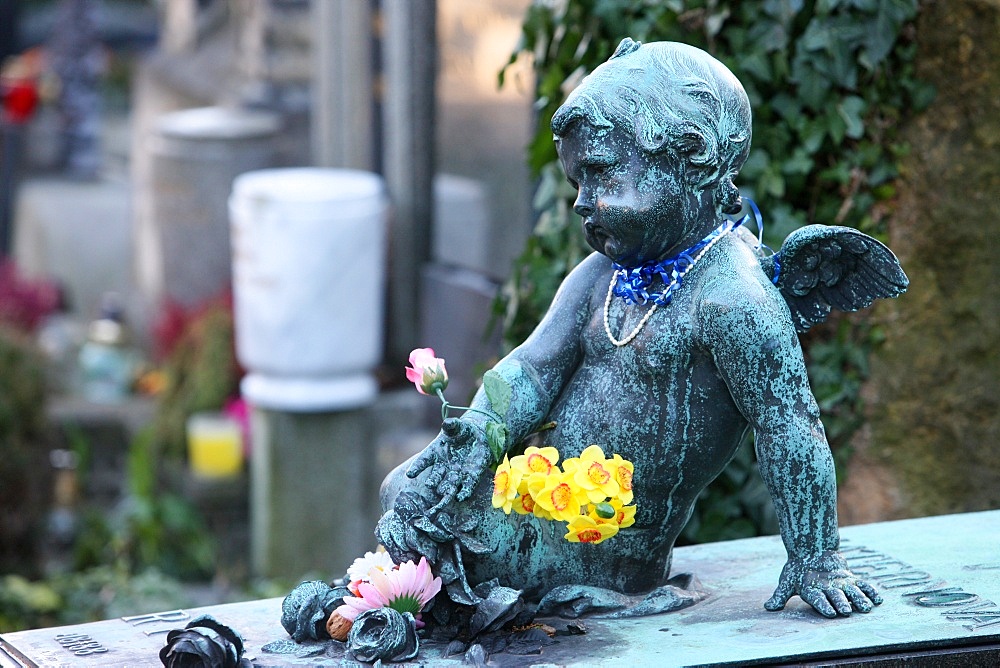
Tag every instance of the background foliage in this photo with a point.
(829, 81)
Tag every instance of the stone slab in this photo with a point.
(940, 578)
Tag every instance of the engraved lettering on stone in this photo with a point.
(995, 566)
(904, 579)
(865, 561)
(79, 644)
(946, 599)
(170, 616)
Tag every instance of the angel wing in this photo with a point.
(820, 267)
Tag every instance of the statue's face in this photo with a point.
(636, 207)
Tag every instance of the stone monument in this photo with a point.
(663, 347)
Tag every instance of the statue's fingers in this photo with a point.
(858, 598)
(435, 476)
(426, 458)
(466, 486)
(870, 591)
(817, 599)
(447, 490)
(779, 597)
(838, 599)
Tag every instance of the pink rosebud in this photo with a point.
(426, 371)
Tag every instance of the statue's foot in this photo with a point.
(572, 601)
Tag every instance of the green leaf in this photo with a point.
(498, 391)
(851, 109)
(496, 437)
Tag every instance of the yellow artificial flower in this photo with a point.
(536, 460)
(623, 470)
(534, 465)
(595, 475)
(558, 496)
(525, 504)
(624, 516)
(505, 484)
(584, 529)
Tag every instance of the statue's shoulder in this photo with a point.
(734, 279)
(736, 294)
(581, 281)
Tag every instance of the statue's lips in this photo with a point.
(595, 233)
(599, 239)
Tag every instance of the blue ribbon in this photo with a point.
(633, 283)
(759, 219)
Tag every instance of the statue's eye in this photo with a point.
(601, 169)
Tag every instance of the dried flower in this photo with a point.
(203, 642)
(383, 634)
(305, 610)
(426, 371)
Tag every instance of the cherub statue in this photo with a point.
(665, 345)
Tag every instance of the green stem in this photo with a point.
(445, 407)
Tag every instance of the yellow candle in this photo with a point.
(215, 445)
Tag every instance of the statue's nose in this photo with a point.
(584, 207)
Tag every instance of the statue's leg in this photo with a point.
(394, 483)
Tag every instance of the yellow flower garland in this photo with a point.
(590, 493)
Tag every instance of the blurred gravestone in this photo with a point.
(78, 60)
(182, 224)
(308, 279)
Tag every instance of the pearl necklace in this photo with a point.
(666, 295)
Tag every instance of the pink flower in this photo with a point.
(407, 589)
(426, 371)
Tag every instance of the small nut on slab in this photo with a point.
(338, 627)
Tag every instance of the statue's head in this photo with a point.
(670, 97)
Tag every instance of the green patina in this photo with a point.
(651, 141)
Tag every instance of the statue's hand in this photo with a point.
(457, 459)
(825, 583)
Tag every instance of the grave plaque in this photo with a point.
(939, 576)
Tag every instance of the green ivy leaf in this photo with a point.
(851, 109)
(498, 391)
(496, 437)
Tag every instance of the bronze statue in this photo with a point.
(664, 346)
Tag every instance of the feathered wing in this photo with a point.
(820, 267)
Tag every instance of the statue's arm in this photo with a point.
(539, 368)
(536, 371)
(757, 352)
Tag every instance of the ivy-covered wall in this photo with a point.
(830, 82)
(934, 440)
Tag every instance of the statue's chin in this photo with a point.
(606, 246)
